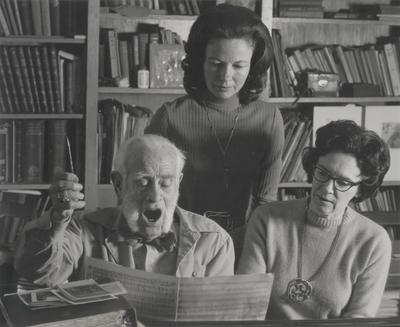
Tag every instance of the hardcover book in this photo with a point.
(56, 148)
(33, 151)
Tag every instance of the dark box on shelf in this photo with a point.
(355, 90)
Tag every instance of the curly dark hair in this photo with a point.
(371, 152)
(227, 21)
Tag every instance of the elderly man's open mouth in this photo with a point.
(152, 215)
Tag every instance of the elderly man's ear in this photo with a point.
(117, 181)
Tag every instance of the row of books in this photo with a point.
(301, 9)
(40, 79)
(116, 123)
(298, 135)
(168, 7)
(32, 151)
(65, 18)
(38, 202)
(384, 200)
(121, 55)
(370, 64)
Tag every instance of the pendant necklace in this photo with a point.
(300, 289)
(225, 167)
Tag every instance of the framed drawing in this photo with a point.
(165, 65)
(385, 121)
(326, 114)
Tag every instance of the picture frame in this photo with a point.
(326, 114)
(385, 121)
(165, 65)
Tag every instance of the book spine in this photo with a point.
(6, 104)
(344, 63)
(196, 8)
(55, 78)
(33, 151)
(123, 47)
(45, 11)
(10, 80)
(11, 17)
(17, 127)
(25, 79)
(3, 23)
(112, 42)
(3, 155)
(393, 73)
(69, 86)
(79, 86)
(14, 5)
(36, 17)
(47, 78)
(26, 17)
(56, 148)
(18, 79)
(55, 17)
(32, 77)
(40, 79)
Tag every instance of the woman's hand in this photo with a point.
(66, 195)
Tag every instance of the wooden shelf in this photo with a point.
(37, 40)
(131, 90)
(277, 20)
(337, 100)
(24, 186)
(383, 217)
(307, 185)
(41, 116)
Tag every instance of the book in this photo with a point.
(14, 5)
(4, 23)
(55, 17)
(17, 151)
(292, 143)
(196, 8)
(13, 21)
(339, 65)
(24, 7)
(343, 61)
(19, 83)
(394, 74)
(6, 101)
(329, 58)
(56, 148)
(16, 222)
(26, 81)
(111, 312)
(37, 61)
(7, 67)
(3, 154)
(33, 151)
(55, 78)
(301, 14)
(352, 66)
(32, 78)
(74, 87)
(350, 15)
(123, 52)
(36, 17)
(45, 13)
(385, 72)
(113, 53)
(300, 60)
(46, 69)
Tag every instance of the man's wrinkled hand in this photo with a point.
(66, 195)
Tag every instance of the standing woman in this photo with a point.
(233, 140)
(329, 261)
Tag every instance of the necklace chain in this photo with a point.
(328, 257)
(215, 132)
(223, 151)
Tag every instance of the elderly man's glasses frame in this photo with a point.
(340, 184)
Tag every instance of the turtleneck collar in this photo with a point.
(213, 102)
(324, 222)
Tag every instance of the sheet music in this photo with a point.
(170, 298)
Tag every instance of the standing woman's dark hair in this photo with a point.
(228, 22)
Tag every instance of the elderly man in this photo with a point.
(147, 231)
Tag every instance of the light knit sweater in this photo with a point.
(253, 155)
(353, 282)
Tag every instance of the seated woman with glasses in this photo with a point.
(329, 261)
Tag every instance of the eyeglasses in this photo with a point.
(339, 184)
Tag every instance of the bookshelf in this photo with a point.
(58, 121)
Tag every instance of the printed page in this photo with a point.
(153, 295)
(240, 297)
